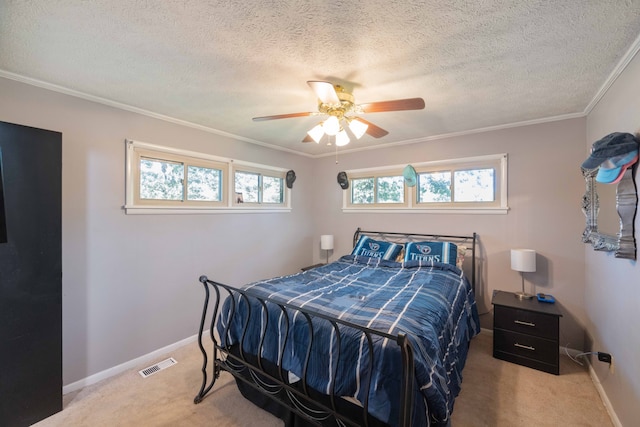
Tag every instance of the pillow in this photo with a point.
(366, 246)
(445, 252)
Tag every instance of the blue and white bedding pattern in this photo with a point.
(433, 303)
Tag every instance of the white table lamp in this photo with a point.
(326, 244)
(524, 261)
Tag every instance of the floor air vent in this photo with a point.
(157, 367)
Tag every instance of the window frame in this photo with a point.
(136, 150)
(391, 172)
(261, 172)
(498, 162)
(186, 161)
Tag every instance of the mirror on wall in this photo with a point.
(610, 211)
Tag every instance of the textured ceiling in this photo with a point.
(217, 64)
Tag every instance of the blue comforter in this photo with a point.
(432, 303)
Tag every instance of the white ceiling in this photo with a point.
(217, 64)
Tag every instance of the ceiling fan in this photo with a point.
(340, 106)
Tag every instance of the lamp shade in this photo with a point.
(326, 242)
(358, 128)
(342, 138)
(331, 126)
(523, 260)
(316, 133)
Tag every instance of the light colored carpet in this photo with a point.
(494, 393)
(498, 393)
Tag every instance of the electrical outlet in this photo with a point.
(606, 358)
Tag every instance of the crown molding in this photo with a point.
(626, 59)
(620, 67)
(104, 101)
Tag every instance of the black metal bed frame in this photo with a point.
(274, 383)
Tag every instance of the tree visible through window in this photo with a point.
(162, 179)
(204, 184)
(254, 187)
(383, 189)
(248, 184)
(390, 189)
(362, 191)
(471, 183)
(434, 187)
(476, 185)
(273, 191)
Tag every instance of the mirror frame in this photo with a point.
(624, 243)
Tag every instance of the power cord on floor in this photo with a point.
(566, 350)
(575, 358)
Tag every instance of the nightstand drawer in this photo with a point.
(526, 322)
(522, 345)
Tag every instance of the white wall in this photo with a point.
(545, 193)
(612, 285)
(130, 282)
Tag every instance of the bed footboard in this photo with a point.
(270, 378)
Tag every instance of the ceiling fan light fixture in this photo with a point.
(339, 105)
(331, 126)
(342, 138)
(316, 133)
(357, 127)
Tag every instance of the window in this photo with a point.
(473, 184)
(163, 179)
(378, 190)
(260, 187)
(166, 180)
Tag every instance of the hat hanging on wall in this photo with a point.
(612, 170)
(612, 145)
(291, 177)
(410, 176)
(343, 180)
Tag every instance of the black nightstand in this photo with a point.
(311, 267)
(526, 332)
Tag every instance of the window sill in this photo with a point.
(190, 210)
(474, 211)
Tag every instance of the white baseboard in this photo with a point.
(603, 395)
(92, 379)
(592, 373)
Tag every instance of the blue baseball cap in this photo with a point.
(613, 145)
(612, 169)
(410, 176)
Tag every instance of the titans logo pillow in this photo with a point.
(366, 246)
(445, 252)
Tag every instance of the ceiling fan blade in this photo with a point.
(396, 105)
(325, 92)
(281, 116)
(373, 130)
(308, 139)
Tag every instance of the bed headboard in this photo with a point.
(395, 237)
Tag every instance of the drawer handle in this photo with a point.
(520, 322)
(526, 347)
